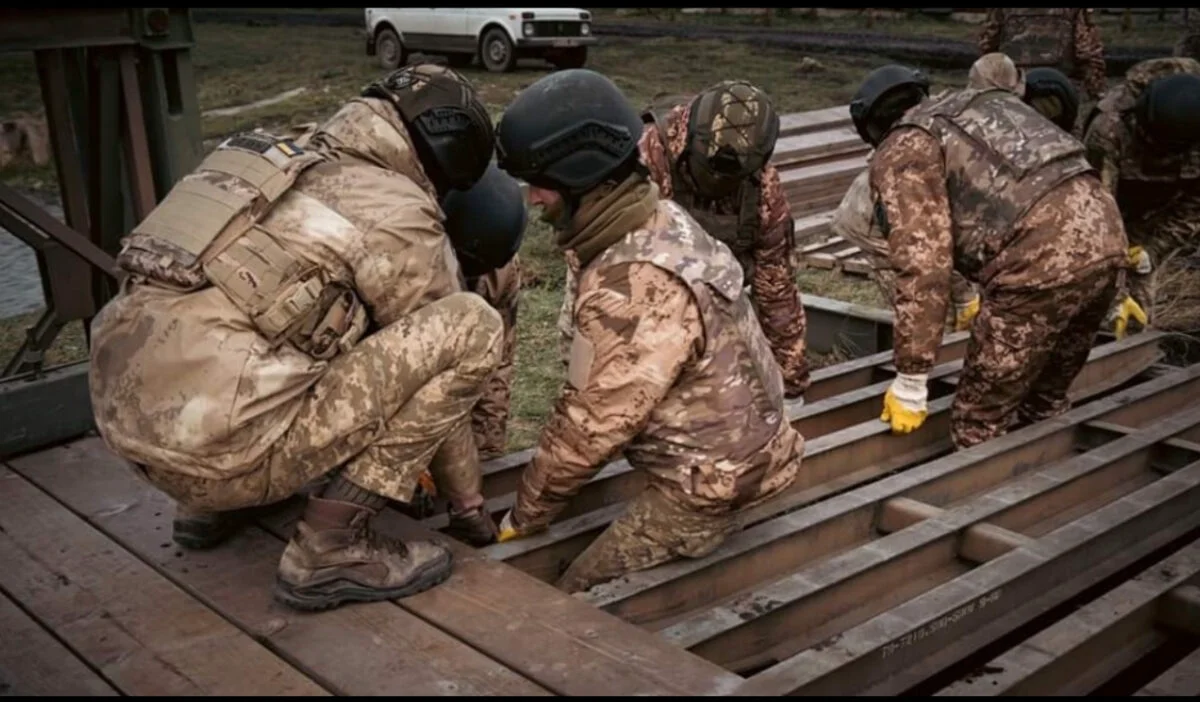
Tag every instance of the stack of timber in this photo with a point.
(818, 155)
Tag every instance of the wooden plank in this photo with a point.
(1180, 680)
(364, 649)
(144, 634)
(902, 646)
(812, 226)
(813, 120)
(1078, 654)
(562, 643)
(33, 663)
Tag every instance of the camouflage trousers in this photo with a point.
(1173, 230)
(489, 419)
(1025, 350)
(394, 405)
(654, 529)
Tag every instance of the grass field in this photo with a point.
(236, 65)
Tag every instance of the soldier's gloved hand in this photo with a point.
(509, 529)
(965, 314)
(1128, 308)
(904, 405)
(1139, 260)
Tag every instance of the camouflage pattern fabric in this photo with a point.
(1065, 38)
(668, 362)
(185, 385)
(489, 419)
(768, 262)
(396, 404)
(995, 70)
(1037, 245)
(1156, 188)
(1026, 349)
(653, 530)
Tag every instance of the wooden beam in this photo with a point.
(897, 647)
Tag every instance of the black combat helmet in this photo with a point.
(731, 133)
(450, 128)
(568, 132)
(486, 223)
(1169, 110)
(884, 97)
(1051, 92)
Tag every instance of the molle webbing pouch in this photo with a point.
(232, 189)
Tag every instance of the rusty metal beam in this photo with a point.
(793, 540)
(897, 647)
(1078, 654)
(40, 224)
(832, 463)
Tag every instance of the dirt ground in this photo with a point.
(236, 65)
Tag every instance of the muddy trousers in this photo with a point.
(1025, 351)
(393, 406)
(653, 530)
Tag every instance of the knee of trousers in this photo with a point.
(477, 332)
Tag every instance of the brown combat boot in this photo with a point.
(474, 526)
(335, 557)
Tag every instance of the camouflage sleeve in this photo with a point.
(639, 331)
(656, 159)
(489, 419)
(1089, 53)
(1103, 144)
(908, 175)
(776, 297)
(405, 262)
(993, 30)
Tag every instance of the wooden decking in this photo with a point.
(95, 598)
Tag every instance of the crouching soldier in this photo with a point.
(1143, 138)
(486, 225)
(290, 313)
(976, 180)
(668, 363)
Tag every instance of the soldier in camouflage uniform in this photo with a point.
(1050, 92)
(486, 225)
(710, 153)
(668, 363)
(291, 313)
(1142, 137)
(1065, 38)
(1016, 208)
(854, 219)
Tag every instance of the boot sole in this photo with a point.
(327, 595)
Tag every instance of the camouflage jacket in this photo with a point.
(854, 220)
(668, 363)
(1132, 168)
(183, 381)
(985, 204)
(1065, 38)
(489, 420)
(769, 261)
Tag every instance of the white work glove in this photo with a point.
(904, 405)
(1139, 260)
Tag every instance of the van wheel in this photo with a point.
(496, 51)
(389, 49)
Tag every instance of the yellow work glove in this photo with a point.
(1128, 308)
(509, 529)
(965, 314)
(1139, 260)
(904, 405)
